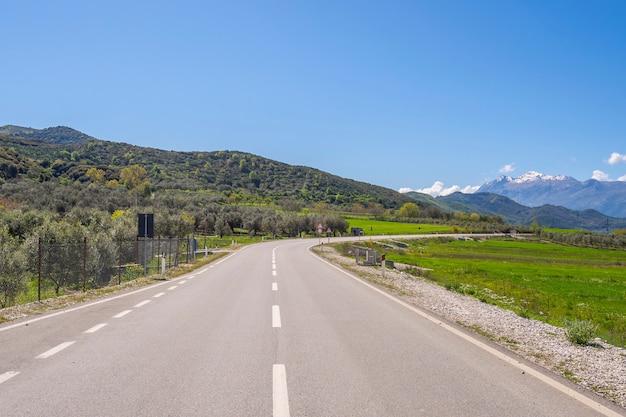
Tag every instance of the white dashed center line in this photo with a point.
(55, 350)
(158, 295)
(276, 316)
(274, 286)
(96, 328)
(280, 396)
(122, 314)
(173, 287)
(141, 304)
(7, 375)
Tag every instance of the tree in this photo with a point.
(13, 269)
(95, 175)
(133, 176)
(409, 211)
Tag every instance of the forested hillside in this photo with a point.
(238, 175)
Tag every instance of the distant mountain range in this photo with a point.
(534, 189)
(550, 201)
(514, 213)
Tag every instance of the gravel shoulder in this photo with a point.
(600, 367)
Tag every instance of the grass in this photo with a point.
(538, 280)
(379, 227)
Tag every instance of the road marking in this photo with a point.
(7, 375)
(173, 287)
(280, 396)
(273, 266)
(143, 303)
(95, 328)
(182, 282)
(122, 314)
(503, 356)
(55, 350)
(274, 286)
(276, 316)
(273, 273)
(158, 295)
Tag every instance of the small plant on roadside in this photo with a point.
(580, 332)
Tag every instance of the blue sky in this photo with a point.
(404, 94)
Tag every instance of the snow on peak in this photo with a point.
(532, 176)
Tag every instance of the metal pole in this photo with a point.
(84, 263)
(145, 246)
(119, 263)
(39, 271)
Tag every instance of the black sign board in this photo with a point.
(145, 224)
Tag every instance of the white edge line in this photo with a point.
(600, 408)
(55, 350)
(280, 396)
(102, 301)
(7, 375)
(95, 328)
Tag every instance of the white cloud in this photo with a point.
(600, 176)
(439, 189)
(507, 169)
(616, 158)
(622, 178)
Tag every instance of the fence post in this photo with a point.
(119, 261)
(39, 270)
(84, 263)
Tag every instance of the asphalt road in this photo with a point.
(268, 331)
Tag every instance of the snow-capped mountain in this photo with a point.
(534, 189)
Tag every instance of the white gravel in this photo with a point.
(600, 367)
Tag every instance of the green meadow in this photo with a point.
(379, 227)
(541, 280)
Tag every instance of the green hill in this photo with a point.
(229, 172)
(57, 135)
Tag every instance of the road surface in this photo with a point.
(270, 330)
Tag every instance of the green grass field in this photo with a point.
(536, 279)
(378, 227)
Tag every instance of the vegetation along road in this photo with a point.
(269, 330)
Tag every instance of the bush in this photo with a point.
(580, 332)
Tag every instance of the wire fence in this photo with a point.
(92, 263)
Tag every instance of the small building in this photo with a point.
(356, 231)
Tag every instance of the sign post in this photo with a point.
(319, 233)
(145, 228)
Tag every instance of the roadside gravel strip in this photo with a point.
(600, 367)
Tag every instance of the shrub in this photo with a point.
(580, 332)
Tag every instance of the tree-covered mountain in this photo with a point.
(238, 175)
